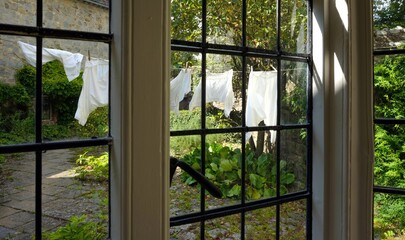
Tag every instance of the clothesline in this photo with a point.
(238, 71)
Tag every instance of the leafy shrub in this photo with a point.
(78, 228)
(91, 167)
(223, 168)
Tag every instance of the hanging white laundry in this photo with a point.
(71, 61)
(179, 87)
(261, 102)
(95, 89)
(218, 89)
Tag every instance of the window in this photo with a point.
(389, 204)
(39, 192)
(253, 139)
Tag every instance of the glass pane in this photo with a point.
(75, 193)
(223, 168)
(185, 232)
(261, 104)
(17, 196)
(389, 142)
(294, 92)
(186, 20)
(223, 91)
(90, 16)
(223, 228)
(19, 12)
(17, 92)
(261, 24)
(261, 224)
(185, 76)
(261, 154)
(293, 220)
(389, 79)
(389, 212)
(224, 22)
(293, 155)
(185, 192)
(389, 24)
(75, 90)
(294, 26)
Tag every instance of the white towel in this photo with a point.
(218, 89)
(95, 89)
(71, 61)
(261, 102)
(179, 87)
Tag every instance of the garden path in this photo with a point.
(62, 195)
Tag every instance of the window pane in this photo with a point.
(293, 160)
(17, 196)
(294, 25)
(293, 220)
(389, 212)
(91, 16)
(185, 232)
(19, 12)
(223, 168)
(186, 20)
(389, 79)
(223, 91)
(389, 24)
(294, 92)
(389, 156)
(261, 155)
(75, 192)
(17, 92)
(224, 22)
(261, 24)
(75, 90)
(261, 224)
(185, 192)
(223, 228)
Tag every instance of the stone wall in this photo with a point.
(81, 15)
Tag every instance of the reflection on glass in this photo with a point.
(293, 155)
(224, 22)
(294, 92)
(223, 228)
(75, 85)
(17, 196)
(388, 220)
(261, 155)
(75, 190)
(223, 168)
(293, 220)
(186, 20)
(185, 232)
(91, 16)
(389, 79)
(19, 12)
(17, 93)
(261, 24)
(261, 224)
(389, 142)
(294, 26)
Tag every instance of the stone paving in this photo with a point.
(62, 195)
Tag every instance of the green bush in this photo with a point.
(78, 228)
(92, 167)
(223, 168)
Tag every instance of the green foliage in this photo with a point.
(78, 228)
(388, 13)
(223, 168)
(92, 167)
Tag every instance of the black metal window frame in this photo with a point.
(244, 52)
(39, 146)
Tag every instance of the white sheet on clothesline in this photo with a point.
(179, 87)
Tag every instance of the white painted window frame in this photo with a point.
(342, 110)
